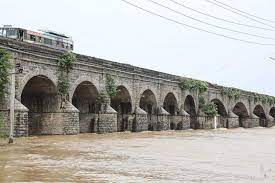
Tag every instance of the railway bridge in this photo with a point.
(146, 99)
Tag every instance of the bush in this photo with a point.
(5, 67)
(201, 102)
(111, 86)
(231, 92)
(65, 65)
(194, 85)
(2, 127)
(210, 109)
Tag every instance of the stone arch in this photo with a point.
(170, 104)
(221, 108)
(40, 96)
(241, 111)
(79, 81)
(223, 120)
(259, 112)
(272, 112)
(122, 103)
(190, 108)
(84, 99)
(37, 72)
(148, 102)
(152, 90)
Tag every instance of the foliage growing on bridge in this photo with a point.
(2, 126)
(232, 93)
(210, 109)
(111, 86)
(65, 65)
(264, 99)
(201, 102)
(194, 85)
(271, 100)
(5, 67)
(101, 98)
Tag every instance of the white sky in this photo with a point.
(111, 29)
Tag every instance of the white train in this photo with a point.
(41, 37)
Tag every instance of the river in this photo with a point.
(214, 156)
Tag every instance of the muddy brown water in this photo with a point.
(222, 156)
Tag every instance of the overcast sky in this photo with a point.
(111, 29)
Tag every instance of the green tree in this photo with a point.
(111, 87)
(5, 66)
(65, 65)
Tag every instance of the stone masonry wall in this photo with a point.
(41, 61)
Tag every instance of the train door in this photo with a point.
(20, 35)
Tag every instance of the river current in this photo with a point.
(214, 156)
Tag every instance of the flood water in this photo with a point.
(216, 156)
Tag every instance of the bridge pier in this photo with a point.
(270, 121)
(107, 120)
(232, 121)
(21, 120)
(182, 121)
(163, 122)
(140, 121)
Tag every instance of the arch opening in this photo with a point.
(84, 99)
(122, 104)
(148, 103)
(259, 111)
(272, 112)
(220, 106)
(170, 104)
(222, 114)
(241, 111)
(190, 108)
(40, 96)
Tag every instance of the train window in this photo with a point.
(32, 38)
(3, 32)
(40, 39)
(48, 41)
(11, 32)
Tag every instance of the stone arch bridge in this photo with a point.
(146, 99)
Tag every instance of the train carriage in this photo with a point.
(41, 37)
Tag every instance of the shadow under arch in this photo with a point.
(85, 100)
(272, 112)
(241, 111)
(259, 111)
(123, 106)
(170, 104)
(148, 103)
(40, 96)
(190, 108)
(222, 112)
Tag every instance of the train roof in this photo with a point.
(50, 32)
(55, 33)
